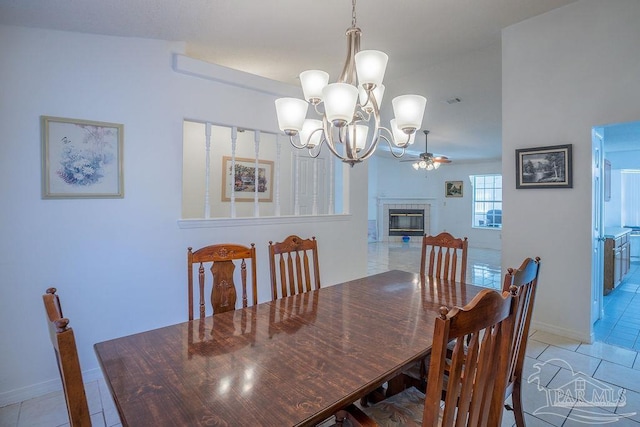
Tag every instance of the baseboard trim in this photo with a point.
(563, 332)
(36, 390)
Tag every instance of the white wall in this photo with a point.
(393, 178)
(119, 264)
(563, 73)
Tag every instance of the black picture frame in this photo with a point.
(544, 167)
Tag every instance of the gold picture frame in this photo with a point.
(244, 182)
(81, 159)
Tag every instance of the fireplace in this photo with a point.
(387, 204)
(406, 222)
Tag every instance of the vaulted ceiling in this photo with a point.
(441, 49)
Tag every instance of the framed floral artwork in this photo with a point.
(244, 182)
(81, 159)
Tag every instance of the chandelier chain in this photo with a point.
(353, 13)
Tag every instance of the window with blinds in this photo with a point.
(630, 203)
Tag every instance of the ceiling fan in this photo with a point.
(427, 160)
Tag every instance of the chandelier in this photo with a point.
(349, 108)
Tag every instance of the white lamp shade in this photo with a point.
(370, 66)
(340, 102)
(409, 110)
(308, 135)
(359, 133)
(378, 93)
(416, 166)
(399, 137)
(291, 114)
(313, 81)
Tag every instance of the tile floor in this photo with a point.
(604, 378)
(483, 265)
(620, 324)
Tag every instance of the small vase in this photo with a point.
(406, 239)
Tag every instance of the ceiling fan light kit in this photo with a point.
(428, 161)
(350, 108)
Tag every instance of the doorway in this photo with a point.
(617, 284)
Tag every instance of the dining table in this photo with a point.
(290, 362)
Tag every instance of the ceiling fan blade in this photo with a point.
(441, 159)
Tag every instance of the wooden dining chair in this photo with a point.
(447, 257)
(474, 374)
(294, 266)
(223, 294)
(525, 279)
(64, 347)
(447, 260)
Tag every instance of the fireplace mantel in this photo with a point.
(384, 199)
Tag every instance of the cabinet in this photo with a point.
(617, 259)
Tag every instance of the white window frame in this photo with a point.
(479, 216)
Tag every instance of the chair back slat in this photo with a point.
(447, 257)
(307, 274)
(283, 276)
(64, 347)
(299, 272)
(299, 257)
(224, 295)
(291, 274)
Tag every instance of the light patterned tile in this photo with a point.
(581, 417)
(109, 408)
(508, 420)
(591, 392)
(540, 375)
(570, 359)
(45, 411)
(534, 401)
(619, 341)
(97, 420)
(92, 391)
(619, 355)
(556, 340)
(535, 348)
(631, 405)
(532, 421)
(619, 375)
(9, 415)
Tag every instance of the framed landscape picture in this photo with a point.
(81, 159)
(544, 167)
(245, 182)
(453, 188)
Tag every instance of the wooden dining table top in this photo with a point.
(290, 362)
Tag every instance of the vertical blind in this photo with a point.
(630, 198)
